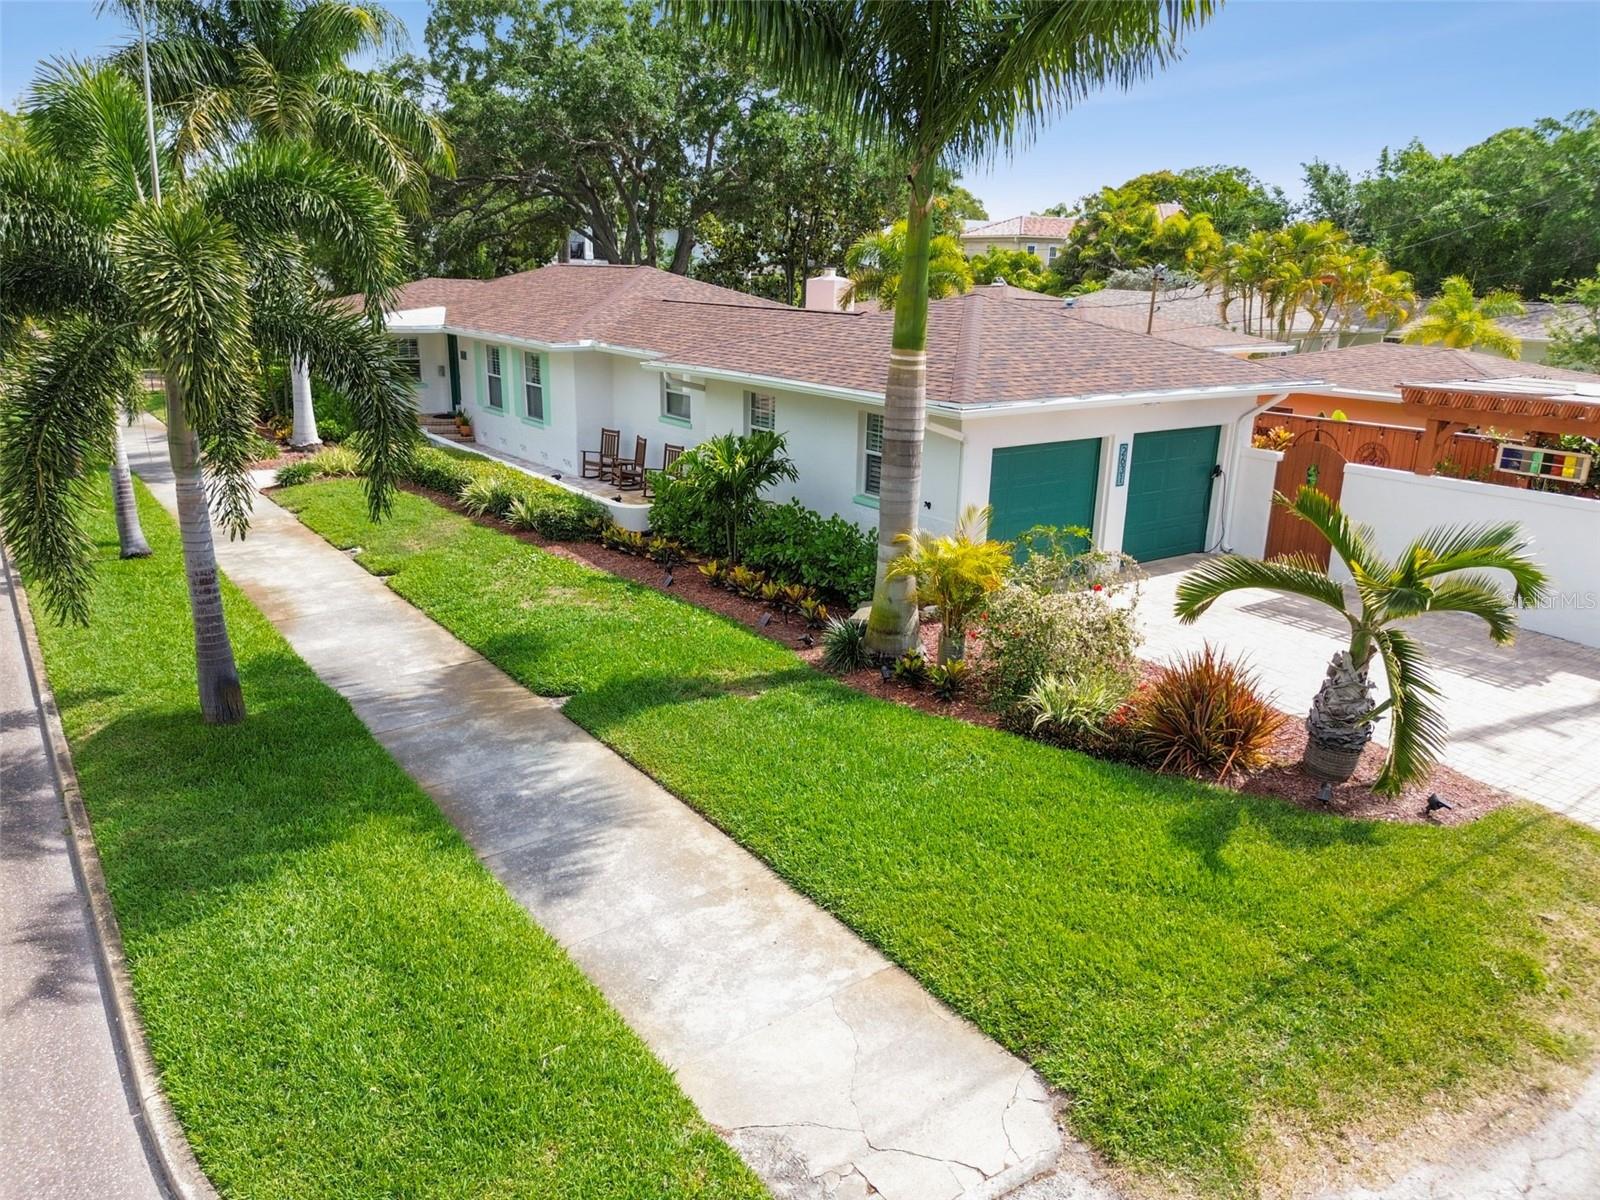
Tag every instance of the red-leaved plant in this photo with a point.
(1204, 716)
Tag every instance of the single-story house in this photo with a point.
(1049, 418)
(1363, 381)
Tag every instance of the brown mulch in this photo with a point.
(1283, 778)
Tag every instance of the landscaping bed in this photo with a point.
(341, 1000)
(1281, 778)
(1202, 972)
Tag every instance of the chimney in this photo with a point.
(826, 291)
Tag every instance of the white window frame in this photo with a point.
(1033, 249)
(1054, 250)
(676, 390)
(533, 387)
(761, 412)
(410, 354)
(494, 378)
(872, 454)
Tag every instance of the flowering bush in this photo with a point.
(1030, 636)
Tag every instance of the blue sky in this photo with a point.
(1269, 84)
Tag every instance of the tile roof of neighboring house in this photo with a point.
(1029, 226)
(1383, 366)
(982, 347)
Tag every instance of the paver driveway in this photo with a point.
(1524, 717)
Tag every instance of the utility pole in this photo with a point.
(149, 105)
(1158, 276)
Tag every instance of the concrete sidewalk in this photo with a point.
(67, 1124)
(831, 1070)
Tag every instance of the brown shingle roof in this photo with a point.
(1383, 366)
(993, 344)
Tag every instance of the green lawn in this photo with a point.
(1197, 969)
(342, 1001)
(155, 403)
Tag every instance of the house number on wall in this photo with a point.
(1122, 464)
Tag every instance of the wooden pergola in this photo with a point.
(1514, 407)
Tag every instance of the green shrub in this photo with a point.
(626, 540)
(295, 473)
(1204, 715)
(1029, 635)
(331, 462)
(799, 545)
(844, 644)
(949, 678)
(1077, 709)
(676, 512)
(555, 513)
(434, 469)
(490, 495)
(911, 668)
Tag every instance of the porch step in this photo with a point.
(443, 427)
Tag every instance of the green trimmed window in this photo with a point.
(675, 402)
(533, 387)
(496, 381)
(872, 455)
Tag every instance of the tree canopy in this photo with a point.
(1234, 199)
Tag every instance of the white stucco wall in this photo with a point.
(1564, 532)
(433, 390)
(552, 443)
(1114, 426)
(1250, 501)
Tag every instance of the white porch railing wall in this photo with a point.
(1564, 532)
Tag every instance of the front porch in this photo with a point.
(629, 509)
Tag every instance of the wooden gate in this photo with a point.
(1314, 459)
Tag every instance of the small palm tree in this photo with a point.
(99, 263)
(954, 572)
(729, 472)
(1442, 571)
(875, 263)
(1460, 320)
(937, 83)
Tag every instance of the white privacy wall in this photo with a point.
(1250, 491)
(1564, 532)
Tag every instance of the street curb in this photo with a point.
(179, 1169)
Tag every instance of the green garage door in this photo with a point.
(1051, 483)
(1169, 492)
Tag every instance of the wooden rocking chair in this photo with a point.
(602, 463)
(631, 474)
(670, 455)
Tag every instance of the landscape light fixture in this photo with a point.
(886, 671)
(1435, 803)
(807, 640)
(667, 582)
(1325, 795)
(766, 619)
(555, 474)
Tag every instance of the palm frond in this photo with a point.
(1295, 574)
(1417, 730)
(1502, 546)
(345, 218)
(93, 117)
(1353, 542)
(1476, 594)
(61, 389)
(188, 283)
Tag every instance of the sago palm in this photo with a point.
(1444, 570)
(954, 572)
(100, 265)
(937, 82)
(1460, 320)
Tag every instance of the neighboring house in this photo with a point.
(1532, 329)
(1198, 307)
(1043, 236)
(1050, 418)
(1363, 381)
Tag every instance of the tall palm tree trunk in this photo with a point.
(221, 697)
(892, 626)
(130, 535)
(305, 417)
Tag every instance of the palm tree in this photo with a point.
(937, 83)
(276, 71)
(729, 472)
(1462, 321)
(954, 572)
(876, 261)
(98, 261)
(1441, 571)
